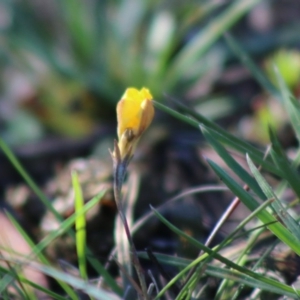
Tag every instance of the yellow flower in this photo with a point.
(135, 112)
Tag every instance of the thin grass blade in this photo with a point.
(280, 159)
(80, 226)
(269, 220)
(250, 64)
(287, 219)
(283, 287)
(292, 106)
(194, 50)
(221, 135)
(231, 163)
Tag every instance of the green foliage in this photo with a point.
(277, 163)
(110, 45)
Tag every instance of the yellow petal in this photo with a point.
(147, 115)
(135, 112)
(129, 110)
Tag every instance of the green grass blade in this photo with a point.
(229, 238)
(242, 259)
(10, 278)
(37, 254)
(289, 172)
(64, 226)
(250, 64)
(193, 51)
(231, 163)
(233, 234)
(221, 135)
(284, 96)
(175, 261)
(37, 249)
(94, 263)
(80, 225)
(30, 283)
(292, 106)
(276, 227)
(76, 15)
(247, 280)
(76, 283)
(287, 219)
(15, 162)
(176, 114)
(263, 279)
(221, 273)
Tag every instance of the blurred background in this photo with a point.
(65, 64)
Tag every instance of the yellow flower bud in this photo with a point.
(135, 112)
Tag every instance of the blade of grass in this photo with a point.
(80, 225)
(76, 16)
(280, 159)
(144, 219)
(193, 51)
(187, 291)
(37, 249)
(240, 172)
(176, 114)
(217, 271)
(276, 227)
(75, 282)
(287, 219)
(64, 228)
(15, 162)
(6, 272)
(232, 164)
(229, 238)
(94, 262)
(227, 283)
(250, 64)
(11, 279)
(291, 105)
(246, 280)
(220, 134)
(258, 264)
(40, 256)
(283, 288)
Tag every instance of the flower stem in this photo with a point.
(120, 167)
